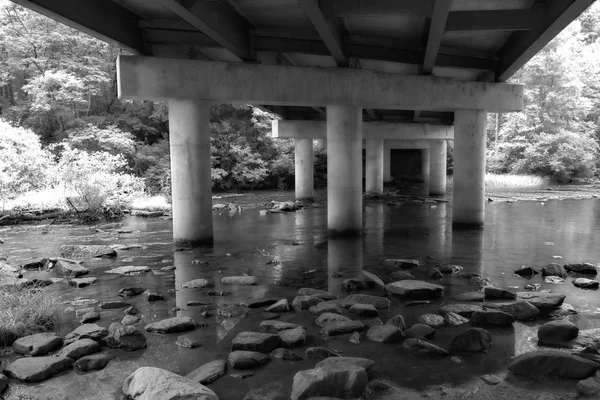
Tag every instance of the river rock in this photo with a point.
(319, 353)
(131, 311)
(146, 214)
(473, 339)
(130, 291)
(291, 338)
(372, 279)
(583, 268)
(93, 362)
(470, 296)
(552, 363)
(305, 302)
(521, 310)
(195, 284)
(285, 354)
(87, 331)
(69, 270)
(397, 321)
(492, 292)
(172, 325)
(125, 337)
(79, 349)
(239, 280)
(111, 305)
(82, 282)
(86, 250)
(152, 296)
(401, 275)
(130, 320)
(271, 326)
(385, 334)
(255, 341)
(38, 344)
(462, 309)
(420, 331)
(322, 294)
(280, 306)
(150, 383)
(585, 283)
(342, 327)
(37, 369)
(129, 270)
(354, 285)
(90, 316)
(588, 387)
(339, 381)
(365, 363)
(433, 320)
(264, 302)
(557, 331)
(544, 301)
(187, 343)
(268, 391)
(554, 270)
(364, 310)
(491, 317)
(241, 359)
(414, 288)
(208, 372)
(400, 263)
(325, 307)
(423, 347)
(375, 301)
(454, 319)
(526, 271)
(328, 317)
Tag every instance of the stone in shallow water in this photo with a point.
(554, 269)
(277, 326)
(195, 284)
(130, 320)
(285, 354)
(86, 250)
(433, 320)
(400, 263)
(473, 339)
(498, 293)
(172, 325)
(364, 310)
(397, 321)
(255, 341)
(209, 372)
(342, 327)
(385, 334)
(70, 270)
(110, 305)
(90, 316)
(129, 270)
(368, 323)
(402, 275)
(365, 363)
(239, 280)
(372, 279)
(340, 381)
(87, 331)
(563, 311)
(258, 303)
(353, 285)
(491, 317)
(588, 387)
(544, 301)
(291, 338)
(526, 271)
(558, 331)
(82, 282)
(241, 359)
(319, 353)
(153, 296)
(130, 291)
(93, 362)
(305, 302)
(454, 319)
(268, 391)
(188, 343)
(470, 296)
(79, 349)
(552, 363)
(464, 310)
(125, 337)
(148, 383)
(131, 310)
(420, 331)
(375, 301)
(322, 294)
(582, 268)
(326, 307)
(414, 288)
(423, 347)
(38, 344)
(521, 310)
(329, 318)
(37, 369)
(280, 306)
(585, 283)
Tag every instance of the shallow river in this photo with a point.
(531, 233)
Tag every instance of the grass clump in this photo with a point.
(24, 311)
(498, 181)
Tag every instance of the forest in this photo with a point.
(61, 123)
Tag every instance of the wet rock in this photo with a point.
(433, 320)
(555, 280)
(552, 363)
(111, 305)
(400, 263)
(454, 319)
(82, 282)
(423, 347)
(420, 331)
(557, 332)
(255, 341)
(305, 302)
(498, 293)
(195, 284)
(69, 270)
(208, 372)
(87, 331)
(242, 375)
(470, 296)
(188, 343)
(480, 281)
(588, 387)
(342, 327)
(385, 334)
(130, 291)
(269, 315)
(354, 285)
(285, 354)
(521, 310)
(86, 250)
(291, 338)
(435, 273)
(372, 279)
(38, 344)
(492, 379)
(585, 283)
(532, 286)
(325, 307)
(526, 271)
(92, 362)
(241, 359)
(563, 311)
(583, 268)
(364, 310)
(319, 353)
(414, 288)
(148, 383)
(402, 275)
(146, 214)
(131, 310)
(125, 337)
(90, 316)
(365, 363)
(37, 369)
(491, 317)
(554, 270)
(464, 310)
(375, 301)
(397, 321)
(341, 381)
(281, 306)
(322, 294)
(79, 349)
(153, 296)
(172, 325)
(239, 280)
(544, 301)
(277, 326)
(328, 317)
(129, 270)
(368, 323)
(130, 320)
(268, 391)
(258, 303)
(473, 339)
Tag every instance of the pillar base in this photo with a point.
(467, 225)
(333, 233)
(194, 243)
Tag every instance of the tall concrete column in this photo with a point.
(437, 159)
(304, 168)
(425, 165)
(468, 199)
(374, 167)
(322, 144)
(344, 170)
(189, 137)
(387, 164)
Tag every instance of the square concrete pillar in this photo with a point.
(437, 169)
(374, 167)
(304, 168)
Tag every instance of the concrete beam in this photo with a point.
(326, 29)
(408, 144)
(150, 78)
(371, 130)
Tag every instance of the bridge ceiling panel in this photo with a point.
(273, 14)
(408, 27)
(485, 43)
(146, 9)
(478, 5)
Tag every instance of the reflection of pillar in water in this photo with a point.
(344, 260)
(467, 251)
(439, 236)
(374, 229)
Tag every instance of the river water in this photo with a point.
(531, 233)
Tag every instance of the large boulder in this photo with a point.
(37, 369)
(557, 331)
(414, 288)
(344, 381)
(172, 325)
(554, 270)
(255, 341)
(67, 269)
(375, 301)
(552, 363)
(423, 347)
(79, 349)
(544, 301)
(150, 383)
(491, 317)
(86, 251)
(38, 344)
(585, 283)
(208, 372)
(582, 268)
(521, 310)
(473, 339)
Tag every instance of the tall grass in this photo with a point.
(496, 181)
(24, 311)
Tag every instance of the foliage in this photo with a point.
(513, 181)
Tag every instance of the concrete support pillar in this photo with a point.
(387, 164)
(304, 167)
(468, 199)
(437, 158)
(189, 136)
(425, 165)
(344, 170)
(374, 167)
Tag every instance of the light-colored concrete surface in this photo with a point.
(374, 166)
(437, 169)
(304, 168)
